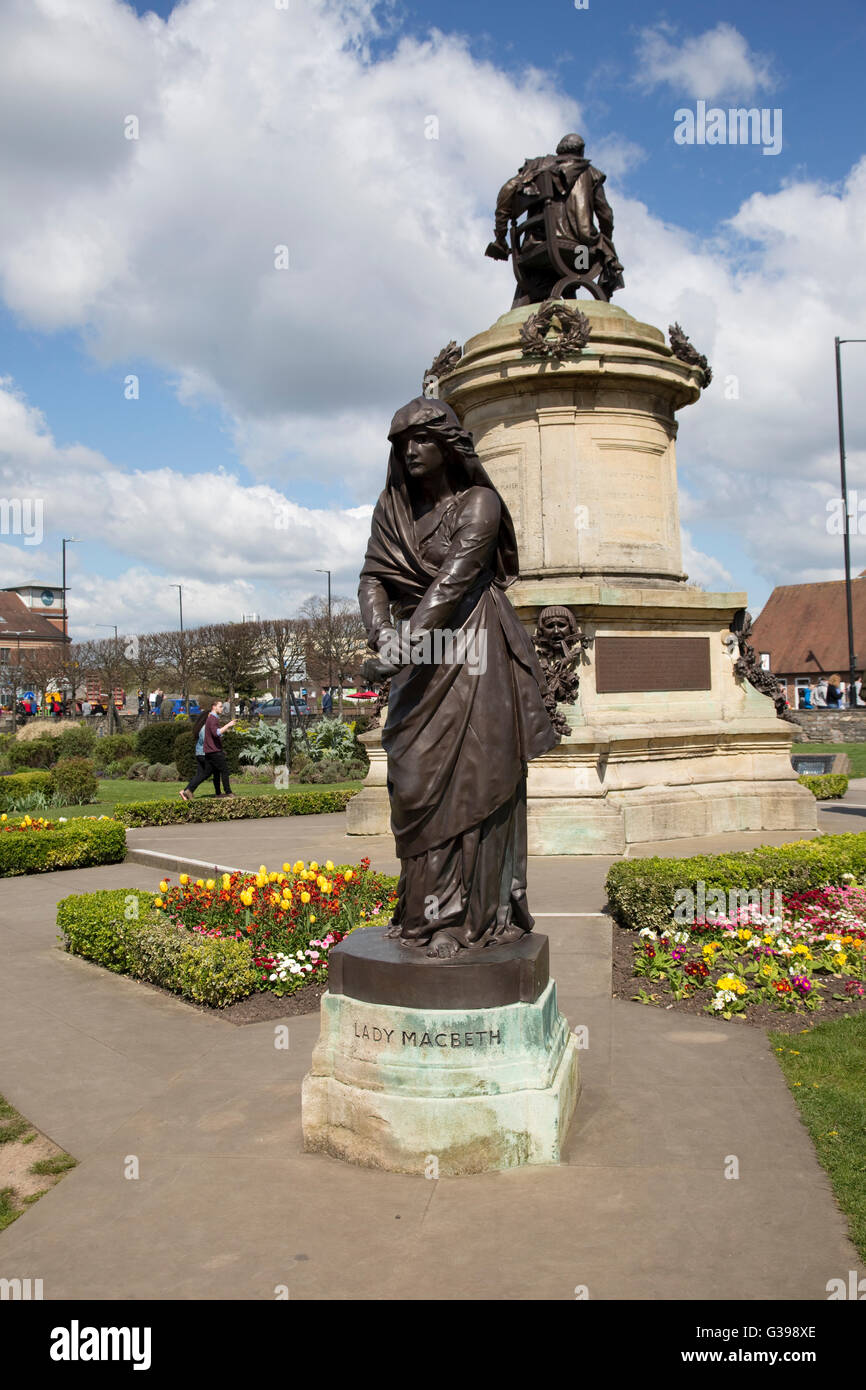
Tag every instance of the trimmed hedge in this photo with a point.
(77, 844)
(211, 808)
(641, 892)
(124, 932)
(825, 786)
(22, 784)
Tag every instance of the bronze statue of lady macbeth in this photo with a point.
(466, 710)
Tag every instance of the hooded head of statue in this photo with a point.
(465, 470)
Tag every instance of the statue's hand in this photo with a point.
(497, 251)
(375, 671)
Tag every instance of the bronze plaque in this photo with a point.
(624, 664)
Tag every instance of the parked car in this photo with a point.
(272, 709)
(177, 708)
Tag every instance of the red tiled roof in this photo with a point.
(801, 618)
(16, 617)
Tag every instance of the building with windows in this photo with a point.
(801, 633)
(27, 638)
(45, 599)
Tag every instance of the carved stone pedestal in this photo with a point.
(442, 1067)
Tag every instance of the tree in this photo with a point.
(145, 659)
(282, 645)
(179, 653)
(106, 660)
(229, 655)
(336, 643)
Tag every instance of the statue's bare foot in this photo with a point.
(393, 930)
(443, 946)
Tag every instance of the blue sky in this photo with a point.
(252, 390)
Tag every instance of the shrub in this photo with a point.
(825, 786)
(155, 742)
(161, 772)
(112, 748)
(184, 753)
(642, 892)
(125, 933)
(78, 741)
(23, 784)
(211, 808)
(331, 738)
(74, 780)
(330, 770)
(74, 845)
(119, 768)
(137, 770)
(36, 752)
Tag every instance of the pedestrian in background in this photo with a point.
(213, 745)
(205, 768)
(834, 692)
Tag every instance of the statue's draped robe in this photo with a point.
(458, 734)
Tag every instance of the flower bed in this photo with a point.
(31, 845)
(216, 941)
(211, 808)
(646, 892)
(807, 954)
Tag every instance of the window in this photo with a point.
(765, 661)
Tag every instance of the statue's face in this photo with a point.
(559, 625)
(422, 455)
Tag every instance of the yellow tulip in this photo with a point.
(199, 883)
(184, 878)
(211, 883)
(157, 902)
(305, 897)
(314, 866)
(298, 866)
(329, 865)
(312, 916)
(287, 868)
(348, 876)
(163, 887)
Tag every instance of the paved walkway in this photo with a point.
(228, 1206)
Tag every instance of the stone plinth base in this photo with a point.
(450, 1090)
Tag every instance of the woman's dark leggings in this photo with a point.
(205, 770)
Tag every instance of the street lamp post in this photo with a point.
(852, 656)
(330, 631)
(67, 540)
(184, 692)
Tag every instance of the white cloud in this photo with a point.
(261, 126)
(237, 549)
(717, 63)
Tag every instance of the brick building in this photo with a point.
(801, 633)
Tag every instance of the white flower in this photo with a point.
(649, 933)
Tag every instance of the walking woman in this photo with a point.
(204, 771)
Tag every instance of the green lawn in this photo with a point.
(119, 791)
(856, 752)
(825, 1068)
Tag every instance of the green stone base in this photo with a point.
(474, 1090)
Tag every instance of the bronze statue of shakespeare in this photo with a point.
(564, 241)
(466, 708)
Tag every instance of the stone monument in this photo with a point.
(669, 728)
(441, 1038)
